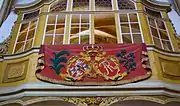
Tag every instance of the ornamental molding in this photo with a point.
(100, 101)
(5, 45)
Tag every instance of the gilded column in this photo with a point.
(41, 26)
(144, 24)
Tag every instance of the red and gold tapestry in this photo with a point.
(110, 64)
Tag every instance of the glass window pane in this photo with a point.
(123, 18)
(24, 27)
(58, 40)
(85, 18)
(125, 28)
(51, 19)
(160, 24)
(50, 29)
(60, 29)
(135, 28)
(74, 39)
(75, 29)
(84, 39)
(105, 26)
(61, 19)
(33, 24)
(19, 47)
(154, 32)
(153, 13)
(137, 38)
(167, 45)
(163, 35)
(75, 18)
(48, 40)
(22, 37)
(28, 44)
(103, 39)
(157, 42)
(127, 38)
(31, 34)
(133, 17)
(151, 21)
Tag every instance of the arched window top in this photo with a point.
(58, 6)
(103, 5)
(80, 5)
(126, 4)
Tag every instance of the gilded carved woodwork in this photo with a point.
(15, 71)
(89, 101)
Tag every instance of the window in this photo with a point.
(87, 25)
(55, 29)
(105, 30)
(79, 29)
(158, 30)
(27, 31)
(130, 28)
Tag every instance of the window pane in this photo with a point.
(85, 39)
(61, 19)
(135, 28)
(154, 32)
(160, 24)
(105, 27)
(137, 38)
(24, 27)
(31, 34)
(104, 39)
(127, 38)
(84, 18)
(163, 35)
(48, 40)
(33, 24)
(133, 17)
(50, 29)
(74, 39)
(51, 19)
(125, 28)
(157, 42)
(153, 13)
(123, 18)
(75, 18)
(167, 45)
(60, 29)
(75, 29)
(28, 44)
(151, 22)
(19, 47)
(58, 39)
(22, 37)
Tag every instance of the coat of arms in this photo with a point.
(94, 65)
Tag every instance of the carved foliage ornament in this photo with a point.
(99, 101)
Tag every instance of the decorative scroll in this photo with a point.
(93, 64)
